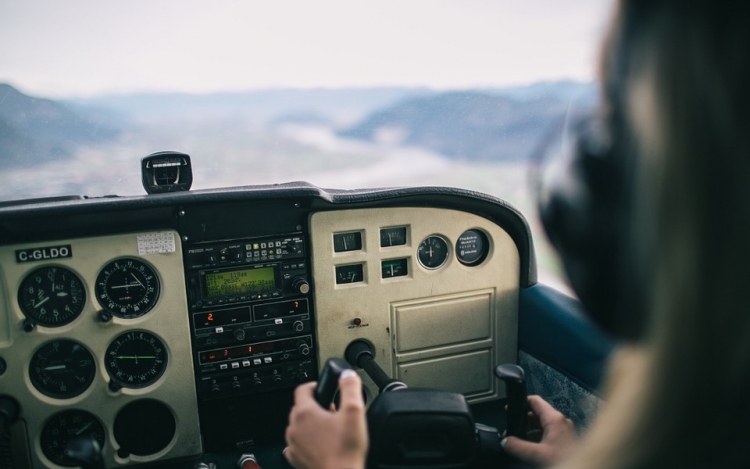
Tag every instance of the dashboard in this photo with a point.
(172, 329)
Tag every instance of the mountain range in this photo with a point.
(487, 124)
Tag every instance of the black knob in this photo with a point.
(104, 316)
(239, 334)
(328, 383)
(298, 326)
(28, 325)
(236, 384)
(276, 378)
(257, 382)
(303, 348)
(301, 285)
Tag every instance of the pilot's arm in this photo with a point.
(326, 439)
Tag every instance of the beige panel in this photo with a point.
(168, 320)
(442, 322)
(469, 374)
(372, 301)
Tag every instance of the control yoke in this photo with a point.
(420, 428)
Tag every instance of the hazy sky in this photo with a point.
(65, 48)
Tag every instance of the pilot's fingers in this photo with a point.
(351, 404)
(547, 414)
(304, 393)
(526, 451)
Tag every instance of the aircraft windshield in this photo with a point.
(339, 93)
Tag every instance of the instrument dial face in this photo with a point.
(64, 427)
(62, 369)
(128, 288)
(472, 247)
(52, 296)
(432, 252)
(136, 359)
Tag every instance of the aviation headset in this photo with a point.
(586, 207)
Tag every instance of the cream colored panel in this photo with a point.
(375, 299)
(168, 321)
(469, 374)
(443, 322)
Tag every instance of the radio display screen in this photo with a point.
(238, 282)
(222, 317)
(237, 352)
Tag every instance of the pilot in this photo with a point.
(676, 112)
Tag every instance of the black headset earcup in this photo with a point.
(582, 207)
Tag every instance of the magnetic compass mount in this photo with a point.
(166, 171)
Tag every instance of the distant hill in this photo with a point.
(34, 130)
(474, 125)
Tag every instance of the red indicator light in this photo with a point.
(357, 321)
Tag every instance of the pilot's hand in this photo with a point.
(325, 439)
(558, 436)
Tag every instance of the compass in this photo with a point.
(128, 288)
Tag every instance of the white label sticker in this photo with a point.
(156, 243)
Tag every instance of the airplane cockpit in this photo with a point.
(204, 207)
(172, 328)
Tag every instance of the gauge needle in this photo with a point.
(55, 367)
(41, 302)
(84, 428)
(136, 279)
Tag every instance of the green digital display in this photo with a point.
(238, 282)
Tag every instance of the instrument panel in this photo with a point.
(96, 340)
(185, 343)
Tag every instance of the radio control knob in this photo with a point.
(276, 378)
(239, 334)
(301, 285)
(298, 326)
(215, 388)
(257, 382)
(303, 348)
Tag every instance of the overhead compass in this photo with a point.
(127, 287)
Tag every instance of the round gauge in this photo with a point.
(128, 288)
(432, 252)
(135, 359)
(62, 369)
(472, 247)
(52, 296)
(64, 427)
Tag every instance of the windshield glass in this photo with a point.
(342, 94)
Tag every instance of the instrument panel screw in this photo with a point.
(184, 238)
(181, 213)
(297, 205)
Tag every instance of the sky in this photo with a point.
(82, 48)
